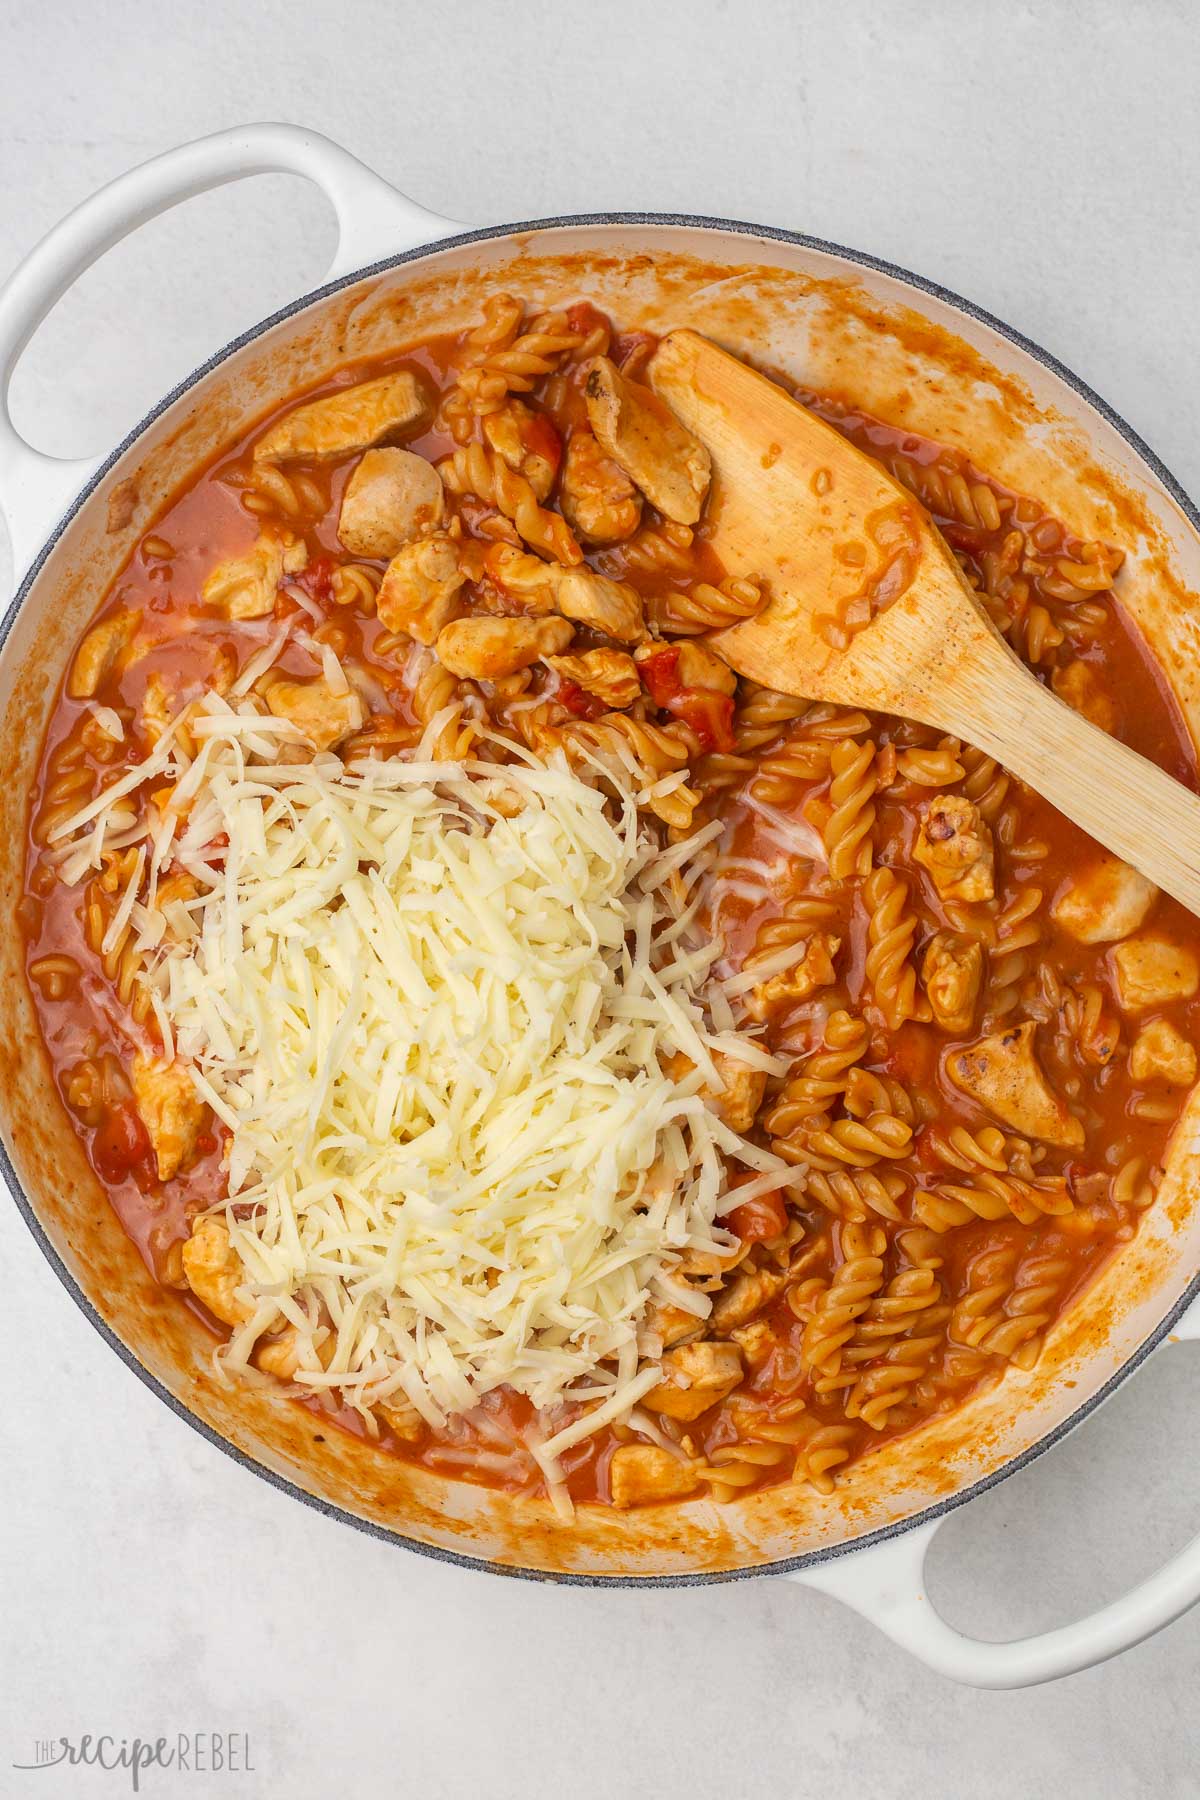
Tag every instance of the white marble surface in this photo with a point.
(1038, 157)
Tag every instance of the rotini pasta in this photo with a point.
(949, 1113)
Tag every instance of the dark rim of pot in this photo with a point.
(735, 227)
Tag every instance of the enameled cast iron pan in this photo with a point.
(906, 350)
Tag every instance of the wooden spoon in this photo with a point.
(838, 542)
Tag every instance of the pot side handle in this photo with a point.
(374, 220)
(886, 1584)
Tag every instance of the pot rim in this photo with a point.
(739, 228)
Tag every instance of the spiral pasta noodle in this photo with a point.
(474, 469)
(852, 817)
(892, 930)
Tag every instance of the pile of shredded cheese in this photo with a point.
(432, 1003)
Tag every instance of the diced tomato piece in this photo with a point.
(317, 579)
(632, 350)
(660, 674)
(709, 714)
(583, 705)
(120, 1143)
(585, 318)
(541, 439)
(757, 1221)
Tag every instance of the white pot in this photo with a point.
(900, 347)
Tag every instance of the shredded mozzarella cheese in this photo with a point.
(431, 1003)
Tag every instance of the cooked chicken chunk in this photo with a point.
(756, 1342)
(1107, 901)
(213, 1270)
(392, 498)
(596, 495)
(324, 715)
(955, 845)
(419, 593)
(96, 657)
(642, 1473)
(244, 587)
(351, 419)
(1160, 1053)
(671, 1324)
(488, 649)
(612, 607)
(736, 1103)
(528, 443)
(952, 973)
(170, 1108)
(1151, 971)
(695, 1377)
(522, 577)
(611, 675)
(700, 667)
(402, 1419)
(1080, 686)
(808, 974)
(157, 708)
(280, 1356)
(747, 1294)
(1002, 1074)
(642, 434)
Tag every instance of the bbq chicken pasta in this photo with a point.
(528, 1045)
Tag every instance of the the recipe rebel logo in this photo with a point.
(185, 1753)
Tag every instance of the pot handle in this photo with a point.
(374, 220)
(886, 1584)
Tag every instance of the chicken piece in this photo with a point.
(955, 845)
(611, 675)
(952, 974)
(671, 1324)
(280, 1356)
(419, 593)
(736, 1103)
(351, 419)
(700, 667)
(814, 970)
(708, 1270)
(1078, 684)
(170, 1109)
(642, 434)
(640, 1474)
(528, 443)
(695, 1377)
(157, 709)
(393, 498)
(596, 495)
(612, 607)
(489, 649)
(401, 1418)
(1002, 1074)
(757, 1343)
(324, 715)
(96, 657)
(1160, 1053)
(244, 587)
(748, 1293)
(1107, 901)
(1151, 971)
(213, 1270)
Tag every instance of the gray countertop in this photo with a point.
(1039, 158)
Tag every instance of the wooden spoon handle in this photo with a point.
(1125, 802)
